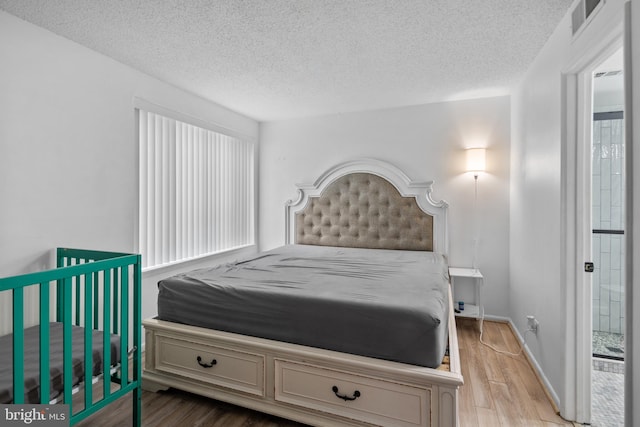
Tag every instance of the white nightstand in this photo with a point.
(474, 309)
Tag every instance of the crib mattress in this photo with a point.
(387, 304)
(32, 360)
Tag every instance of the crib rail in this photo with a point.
(98, 291)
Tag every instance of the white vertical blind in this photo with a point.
(196, 191)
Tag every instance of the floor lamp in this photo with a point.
(476, 163)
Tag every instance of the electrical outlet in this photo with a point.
(532, 323)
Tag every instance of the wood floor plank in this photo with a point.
(492, 365)
(536, 392)
(524, 404)
(487, 417)
(509, 339)
(468, 416)
(535, 389)
(525, 391)
(477, 376)
(505, 406)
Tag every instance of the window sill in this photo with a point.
(185, 264)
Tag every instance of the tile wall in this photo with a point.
(608, 209)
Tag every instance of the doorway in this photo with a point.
(607, 242)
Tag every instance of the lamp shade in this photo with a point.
(476, 159)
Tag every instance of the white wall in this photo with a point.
(68, 150)
(538, 239)
(426, 142)
(535, 217)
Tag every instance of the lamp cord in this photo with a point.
(505, 352)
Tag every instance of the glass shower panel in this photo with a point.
(608, 234)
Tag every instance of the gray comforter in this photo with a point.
(387, 304)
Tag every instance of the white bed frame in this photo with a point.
(310, 385)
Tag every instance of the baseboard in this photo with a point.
(500, 319)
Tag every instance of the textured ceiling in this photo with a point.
(278, 59)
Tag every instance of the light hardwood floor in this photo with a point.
(499, 390)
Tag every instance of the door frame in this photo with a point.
(577, 85)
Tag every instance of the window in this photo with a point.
(196, 191)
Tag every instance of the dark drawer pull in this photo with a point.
(206, 365)
(356, 394)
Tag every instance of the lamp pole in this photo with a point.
(476, 225)
(476, 163)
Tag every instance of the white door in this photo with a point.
(607, 147)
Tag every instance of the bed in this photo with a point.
(87, 329)
(316, 331)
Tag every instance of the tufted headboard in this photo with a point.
(367, 203)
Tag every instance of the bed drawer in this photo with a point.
(358, 397)
(225, 367)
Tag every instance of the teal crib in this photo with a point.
(73, 327)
